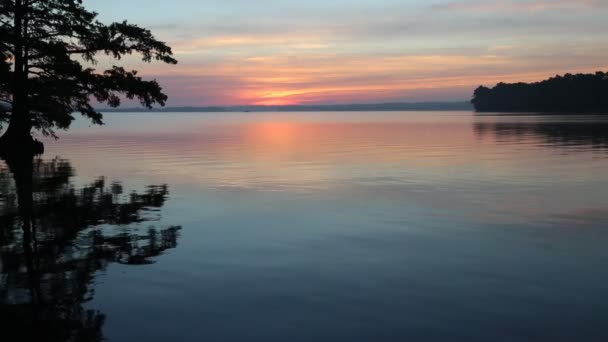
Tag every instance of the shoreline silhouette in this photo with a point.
(580, 93)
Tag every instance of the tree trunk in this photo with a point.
(19, 128)
(18, 138)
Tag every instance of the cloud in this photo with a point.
(249, 42)
(243, 51)
(324, 77)
(514, 5)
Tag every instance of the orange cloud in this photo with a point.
(281, 80)
(221, 43)
(260, 77)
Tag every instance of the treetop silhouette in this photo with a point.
(48, 55)
(568, 93)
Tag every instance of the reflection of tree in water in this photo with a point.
(589, 134)
(54, 237)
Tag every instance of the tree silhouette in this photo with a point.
(52, 245)
(48, 53)
(568, 93)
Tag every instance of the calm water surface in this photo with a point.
(434, 226)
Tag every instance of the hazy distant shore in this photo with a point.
(421, 106)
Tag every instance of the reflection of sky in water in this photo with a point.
(360, 226)
(485, 166)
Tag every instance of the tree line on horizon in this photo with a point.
(567, 93)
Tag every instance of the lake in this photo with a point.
(384, 226)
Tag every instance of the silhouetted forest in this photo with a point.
(52, 246)
(568, 93)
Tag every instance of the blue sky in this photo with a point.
(289, 52)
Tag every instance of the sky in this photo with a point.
(284, 52)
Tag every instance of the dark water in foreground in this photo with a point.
(311, 227)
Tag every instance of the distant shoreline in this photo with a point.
(380, 107)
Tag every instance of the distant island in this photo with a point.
(582, 93)
(419, 106)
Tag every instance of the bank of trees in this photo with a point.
(568, 93)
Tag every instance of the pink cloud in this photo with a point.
(528, 5)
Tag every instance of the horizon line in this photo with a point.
(295, 106)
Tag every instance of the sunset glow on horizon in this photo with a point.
(362, 51)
